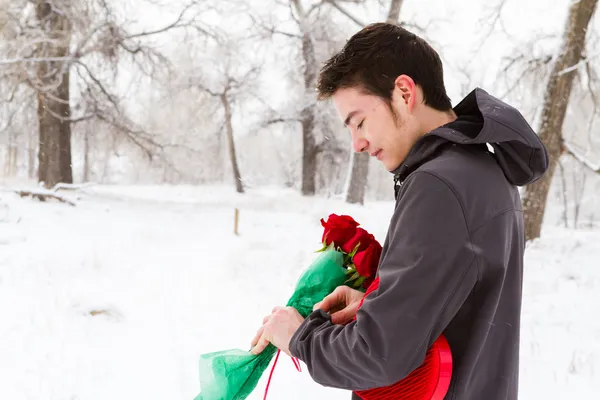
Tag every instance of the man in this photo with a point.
(452, 261)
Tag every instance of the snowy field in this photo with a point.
(117, 297)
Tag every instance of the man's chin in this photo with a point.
(391, 167)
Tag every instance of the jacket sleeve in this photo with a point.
(427, 269)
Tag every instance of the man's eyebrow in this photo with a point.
(349, 117)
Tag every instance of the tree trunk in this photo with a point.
(7, 162)
(13, 153)
(14, 168)
(232, 155)
(360, 163)
(309, 153)
(53, 99)
(220, 159)
(358, 180)
(10, 154)
(310, 149)
(556, 101)
(393, 16)
(578, 190)
(86, 156)
(563, 187)
(31, 156)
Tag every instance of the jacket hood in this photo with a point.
(483, 119)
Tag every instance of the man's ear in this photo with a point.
(407, 89)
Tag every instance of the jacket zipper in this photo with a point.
(398, 182)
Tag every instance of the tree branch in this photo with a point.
(22, 60)
(175, 24)
(496, 17)
(316, 7)
(532, 67)
(140, 138)
(585, 61)
(346, 13)
(570, 149)
(273, 121)
(108, 96)
(207, 90)
(271, 30)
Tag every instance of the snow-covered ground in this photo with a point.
(117, 297)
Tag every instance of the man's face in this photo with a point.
(374, 128)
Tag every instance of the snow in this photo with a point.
(167, 280)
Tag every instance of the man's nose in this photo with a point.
(359, 144)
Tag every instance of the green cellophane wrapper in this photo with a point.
(234, 374)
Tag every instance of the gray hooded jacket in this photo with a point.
(452, 263)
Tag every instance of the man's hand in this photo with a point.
(342, 304)
(278, 328)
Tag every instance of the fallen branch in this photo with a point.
(43, 195)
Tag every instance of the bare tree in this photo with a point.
(52, 43)
(570, 57)
(228, 81)
(311, 120)
(310, 149)
(231, 143)
(52, 81)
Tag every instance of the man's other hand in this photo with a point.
(342, 304)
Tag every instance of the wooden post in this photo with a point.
(235, 221)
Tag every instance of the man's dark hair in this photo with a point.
(374, 57)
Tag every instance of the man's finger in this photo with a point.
(257, 336)
(345, 315)
(327, 303)
(331, 300)
(260, 346)
(341, 317)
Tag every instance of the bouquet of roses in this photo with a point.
(360, 249)
(349, 256)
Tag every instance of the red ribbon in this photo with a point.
(296, 364)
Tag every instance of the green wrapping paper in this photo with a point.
(234, 374)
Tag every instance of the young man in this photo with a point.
(452, 262)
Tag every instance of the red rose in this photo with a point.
(367, 260)
(361, 238)
(338, 229)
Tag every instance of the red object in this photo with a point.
(361, 238)
(345, 234)
(430, 381)
(367, 260)
(338, 229)
(296, 364)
